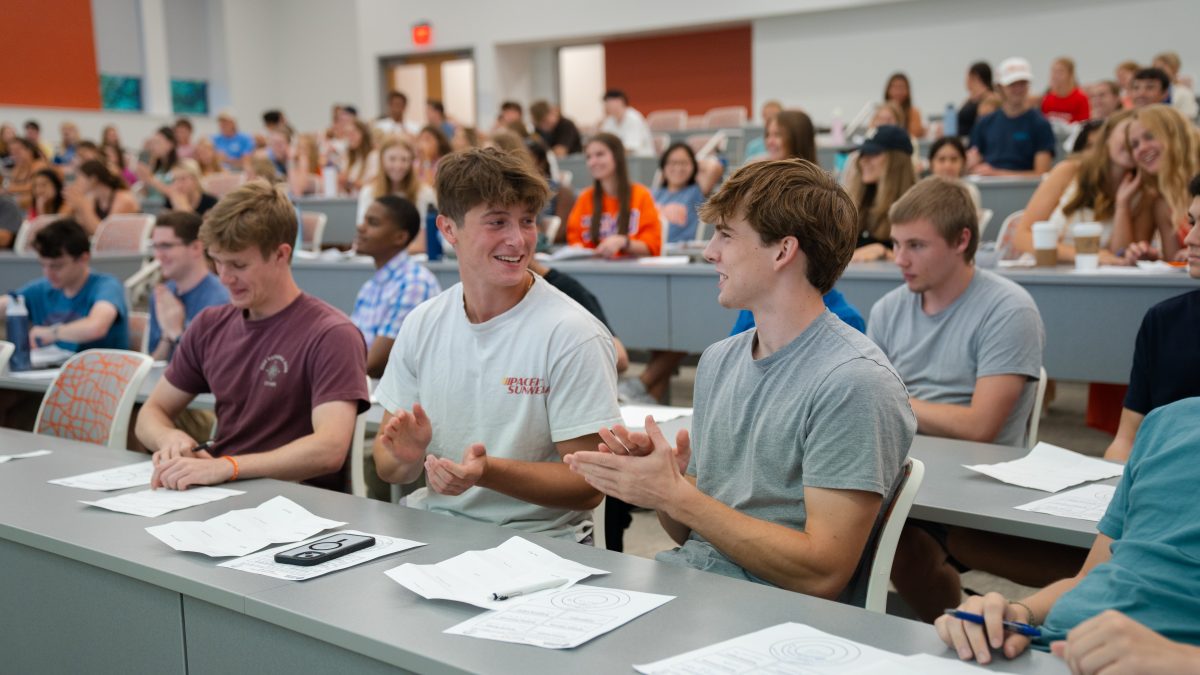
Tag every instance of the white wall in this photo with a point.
(188, 42)
(117, 28)
(842, 59)
(582, 85)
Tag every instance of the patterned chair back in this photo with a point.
(92, 398)
(124, 233)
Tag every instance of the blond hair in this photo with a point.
(1181, 154)
(1092, 184)
(792, 198)
(946, 204)
(898, 176)
(255, 215)
(410, 186)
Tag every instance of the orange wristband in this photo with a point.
(235, 466)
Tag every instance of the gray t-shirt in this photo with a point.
(826, 411)
(993, 328)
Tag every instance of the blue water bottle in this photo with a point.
(433, 239)
(950, 121)
(17, 325)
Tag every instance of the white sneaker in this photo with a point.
(630, 390)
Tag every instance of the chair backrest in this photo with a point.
(696, 122)
(23, 243)
(1035, 415)
(313, 224)
(6, 352)
(599, 540)
(661, 142)
(667, 120)
(868, 586)
(139, 286)
(358, 470)
(124, 233)
(139, 332)
(698, 141)
(92, 398)
(728, 117)
(221, 184)
(1004, 236)
(565, 177)
(550, 225)
(985, 217)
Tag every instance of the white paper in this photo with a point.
(236, 533)
(118, 478)
(571, 253)
(1050, 468)
(154, 503)
(264, 563)
(42, 375)
(664, 260)
(634, 416)
(50, 355)
(1086, 503)
(24, 455)
(785, 648)
(473, 577)
(564, 619)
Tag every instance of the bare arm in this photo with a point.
(981, 421)
(155, 426)
(1122, 443)
(90, 328)
(1042, 204)
(377, 356)
(6, 239)
(622, 355)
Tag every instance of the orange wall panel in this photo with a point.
(693, 71)
(50, 54)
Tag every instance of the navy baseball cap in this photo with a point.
(887, 137)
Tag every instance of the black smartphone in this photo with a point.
(324, 550)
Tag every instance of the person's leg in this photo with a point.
(617, 517)
(657, 375)
(19, 409)
(923, 574)
(1026, 561)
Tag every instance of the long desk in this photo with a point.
(641, 169)
(1091, 320)
(1004, 196)
(17, 270)
(86, 586)
(341, 214)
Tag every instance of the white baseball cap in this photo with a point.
(1015, 69)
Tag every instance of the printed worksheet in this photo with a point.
(117, 478)
(785, 649)
(264, 563)
(24, 455)
(236, 533)
(154, 503)
(1050, 468)
(564, 619)
(473, 577)
(1086, 503)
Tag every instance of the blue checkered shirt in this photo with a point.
(384, 301)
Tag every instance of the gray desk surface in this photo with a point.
(16, 270)
(341, 214)
(363, 612)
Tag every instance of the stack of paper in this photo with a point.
(1086, 503)
(1050, 468)
(264, 563)
(236, 533)
(154, 503)
(24, 455)
(473, 577)
(564, 619)
(118, 478)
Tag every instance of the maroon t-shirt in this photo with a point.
(268, 375)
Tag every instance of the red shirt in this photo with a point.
(1073, 107)
(268, 375)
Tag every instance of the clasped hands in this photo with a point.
(640, 468)
(180, 464)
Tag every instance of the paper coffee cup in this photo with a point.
(1087, 245)
(1045, 243)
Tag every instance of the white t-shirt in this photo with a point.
(633, 131)
(425, 199)
(541, 373)
(390, 126)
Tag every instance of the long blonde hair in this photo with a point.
(898, 176)
(1093, 186)
(1181, 156)
(410, 186)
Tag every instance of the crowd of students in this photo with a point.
(783, 476)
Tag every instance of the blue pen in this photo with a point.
(1014, 626)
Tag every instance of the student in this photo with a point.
(1064, 100)
(432, 146)
(72, 306)
(681, 192)
(33, 134)
(65, 154)
(1100, 185)
(155, 177)
(278, 149)
(899, 91)
(494, 381)
(979, 85)
(948, 159)
(435, 114)
(287, 370)
(1141, 563)
(885, 172)
(205, 154)
(1111, 642)
(393, 123)
(800, 425)
(97, 194)
(47, 194)
(557, 132)
(183, 138)
(1181, 96)
(187, 286)
(11, 219)
(757, 147)
(790, 134)
(1124, 73)
(627, 124)
(1166, 362)
(399, 284)
(1166, 148)
(1104, 98)
(1150, 86)
(304, 169)
(1015, 140)
(231, 144)
(511, 117)
(361, 161)
(27, 161)
(186, 192)
(628, 224)
(397, 175)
